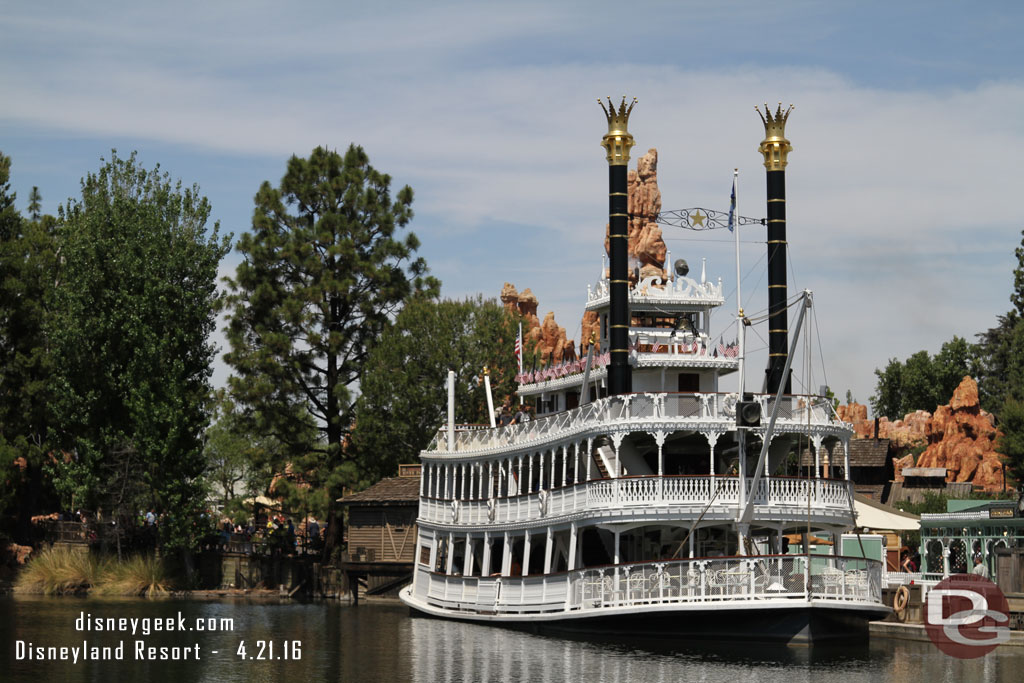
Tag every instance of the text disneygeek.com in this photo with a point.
(141, 650)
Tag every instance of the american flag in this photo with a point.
(656, 347)
(519, 348)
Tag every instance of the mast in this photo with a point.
(618, 142)
(776, 148)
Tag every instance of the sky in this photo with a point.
(907, 130)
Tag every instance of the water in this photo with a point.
(376, 642)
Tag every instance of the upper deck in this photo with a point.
(671, 412)
(679, 293)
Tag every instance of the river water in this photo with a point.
(374, 642)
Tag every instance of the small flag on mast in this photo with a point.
(732, 205)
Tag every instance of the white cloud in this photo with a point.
(901, 212)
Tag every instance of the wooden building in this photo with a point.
(870, 466)
(382, 533)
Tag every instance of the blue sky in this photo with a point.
(907, 131)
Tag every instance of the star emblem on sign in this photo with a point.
(698, 218)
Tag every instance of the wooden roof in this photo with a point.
(863, 453)
(394, 490)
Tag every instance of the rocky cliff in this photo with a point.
(959, 436)
(548, 337)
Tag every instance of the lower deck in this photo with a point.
(710, 595)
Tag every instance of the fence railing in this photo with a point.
(831, 496)
(734, 580)
(604, 412)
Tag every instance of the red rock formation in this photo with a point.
(899, 463)
(646, 244)
(590, 329)
(548, 338)
(959, 436)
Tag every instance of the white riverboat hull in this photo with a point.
(783, 621)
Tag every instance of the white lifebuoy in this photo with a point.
(542, 500)
(490, 509)
(455, 510)
(900, 600)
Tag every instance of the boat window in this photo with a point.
(689, 382)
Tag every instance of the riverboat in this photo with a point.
(655, 507)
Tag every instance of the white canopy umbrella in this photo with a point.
(876, 516)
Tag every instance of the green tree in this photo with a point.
(35, 204)
(1000, 353)
(403, 399)
(27, 275)
(1011, 444)
(133, 313)
(923, 382)
(323, 273)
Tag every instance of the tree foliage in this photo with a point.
(923, 381)
(27, 274)
(1011, 444)
(134, 309)
(323, 273)
(403, 397)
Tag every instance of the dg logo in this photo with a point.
(966, 616)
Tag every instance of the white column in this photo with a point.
(433, 550)
(506, 555)
(693, 533)
(519, 483)
(590, 456)
(572, 546)
(846, 460)
(485, 562)
(467, 563)
(617, 560)
(576, 462)
(659, 438)
(563, 465)
(548, 551)
(451, 553)
(529, 474)
(526, 553)
(551, 479)
(451, 411)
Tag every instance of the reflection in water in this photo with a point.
(382, 643)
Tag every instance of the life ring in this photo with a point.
(900, 600)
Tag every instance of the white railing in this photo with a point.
(605, 413)
(687, 494)
(679, 289)
(733, 580)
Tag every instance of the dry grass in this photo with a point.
(59, 571)
(139, 575)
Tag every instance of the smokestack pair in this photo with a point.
(775, 148)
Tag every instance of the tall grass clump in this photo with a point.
(59, 571)
(139, 575)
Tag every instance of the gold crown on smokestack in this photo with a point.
(775, 147)
(618, 141)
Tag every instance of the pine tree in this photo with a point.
(35, 204)
(323, 273)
